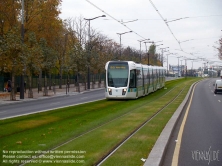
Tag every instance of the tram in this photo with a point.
(130, 80)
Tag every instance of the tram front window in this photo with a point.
(118, 74)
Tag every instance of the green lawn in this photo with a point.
(114, 121)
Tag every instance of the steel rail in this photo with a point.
(137, 129)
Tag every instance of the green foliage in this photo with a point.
(51, 44)
(48, 56)
(11, 59)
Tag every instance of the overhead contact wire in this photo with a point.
(165, 23)
(115, 19)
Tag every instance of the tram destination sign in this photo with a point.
(117, 67)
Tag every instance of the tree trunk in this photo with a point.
(12, 94)
(50, 81)
(45, 93)
(40, 81)
(30, 92)
(60, 78)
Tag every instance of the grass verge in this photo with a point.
(44, 131)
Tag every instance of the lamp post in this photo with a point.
(185, 41)
(167, 66)
(22, 35)
(140, 48)
(148, 56)
(89, 49)
(162, 54)
(179, 64)
(120, 34)
(176, 19)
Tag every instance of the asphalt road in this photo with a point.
(201, 142)
(30, 107)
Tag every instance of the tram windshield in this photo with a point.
(117, 74)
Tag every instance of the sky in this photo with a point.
(193, 27)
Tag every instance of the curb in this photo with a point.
(156, 155)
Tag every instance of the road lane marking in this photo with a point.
(219, 100)
(179, 137)
(2, 112)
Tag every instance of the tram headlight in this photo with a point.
(110, 91)
(124, 91)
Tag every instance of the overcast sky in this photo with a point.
(197, 34)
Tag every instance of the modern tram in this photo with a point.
(130, 80)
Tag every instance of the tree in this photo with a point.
(9, 14)
(42, 17)
(12, 59)
(33, 59)
(49, 58)
(77, 45)
(220, 50)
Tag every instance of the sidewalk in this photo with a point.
(72, 90)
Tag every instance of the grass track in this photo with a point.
(55, 127)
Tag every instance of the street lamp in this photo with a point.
(179, 64)
(120, 34)
(162, 54)
(185, 41)
(158, 41)
(148, 56)
(88, 75)
(158, 45)
(176, 19)
(128, 21)
(22, 35)
(140, 48)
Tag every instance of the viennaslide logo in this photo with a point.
(208, 155)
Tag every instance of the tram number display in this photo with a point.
(117, 67)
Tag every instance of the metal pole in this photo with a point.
(120, 44)
(181, 67)
(140, 49)
(120, 40)
(162, 58)
(22, 35)
(147, 55)
(140, 53)
(167, 67)
(88, 74)
(178, 66)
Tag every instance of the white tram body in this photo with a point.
(130, 80)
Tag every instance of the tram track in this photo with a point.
(137, 129)
(105, 157)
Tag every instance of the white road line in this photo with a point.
(83, 98)
(219, 100)
(179, 137)
(2, 112)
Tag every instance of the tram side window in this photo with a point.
(139, 77)
(132, 83)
